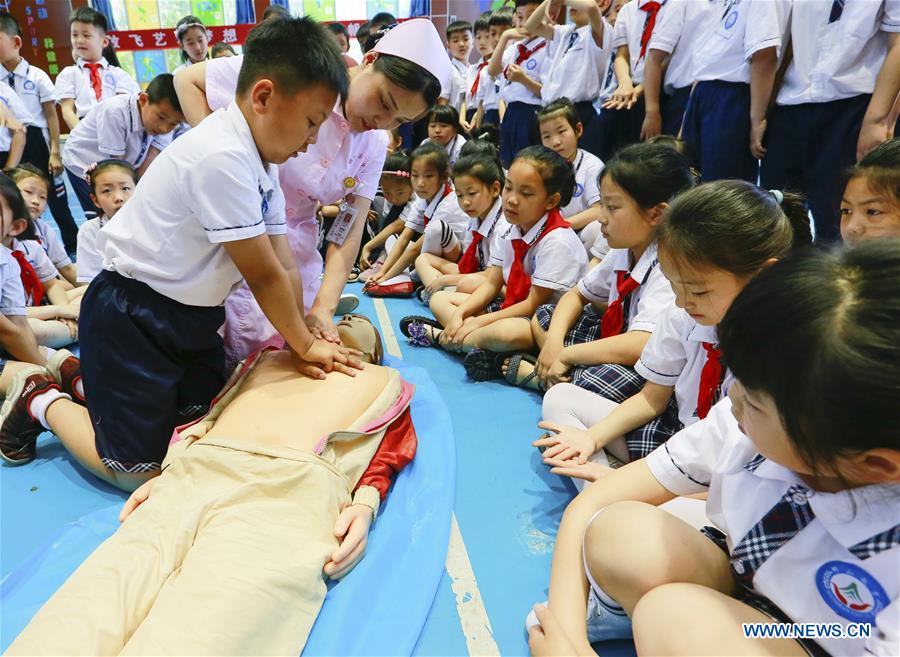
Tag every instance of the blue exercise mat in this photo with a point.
(378, 609)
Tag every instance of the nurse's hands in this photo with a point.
(323, 356)
(321, 325)
(352, 530)
(138, 497)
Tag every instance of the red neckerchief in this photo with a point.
(96, 81)
(710, 379)
(652, 9)
(474, 88)
(30, 280)
(525, 53)
(519, 284)
(613, 321)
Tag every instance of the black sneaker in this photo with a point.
(18, 428)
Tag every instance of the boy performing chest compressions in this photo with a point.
(208, 214)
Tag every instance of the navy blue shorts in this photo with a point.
(491, 116)
(149, 364)
(612, 130)
(717, 128)
(518, 130)
(83, 193)
(673, 106)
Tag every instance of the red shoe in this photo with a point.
(18, 428)
(397, 290)
(66, 369)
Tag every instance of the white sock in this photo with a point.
(48, 352)
(79, 388)
(41, 403)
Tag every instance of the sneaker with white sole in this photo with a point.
(347, 304)
(603, 622)
(18, 427)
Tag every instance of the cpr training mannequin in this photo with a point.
(257, 503)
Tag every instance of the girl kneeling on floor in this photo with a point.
(595, 334)
(538, 259)
(437, 222)
(713, 240)
(801, 464)
(478, 179)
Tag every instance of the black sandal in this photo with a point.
(409, 319)
(484, 365)
(512, 370)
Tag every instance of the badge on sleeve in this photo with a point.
(851, 591)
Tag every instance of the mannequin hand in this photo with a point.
(138, 497)
(352, 530)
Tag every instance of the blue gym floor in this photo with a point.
(507, 506)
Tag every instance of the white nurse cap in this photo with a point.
(418, 41)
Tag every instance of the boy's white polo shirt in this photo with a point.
(516, 92)
(576, 64)
(12, 294)
(75, 82)
(17, 108)
(111, 129)
(628, 32)
(34, 87)
(488, 91)
(674, 356)
(587, 183)
(679, 31)
(748, 26)
(840, 568)
(556, 262)
(643, 307)
(207, 188)
(837, 60)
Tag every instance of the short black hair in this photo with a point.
(10, 25)
(275, 11)
(91, 17)
(13, 198)
(338, 28)
(381, 19)
(484, 166)
(458, 26)
(397, 161)
(162, 88)
(295, 53)
(557, 174)
(483, 22)
(502, 17)
(435, 154)
(28, 170)
(525, 3)
(650, 173)
(819, 332)
(561, 107)
(362, 33)
(445, 114)
(221, 46)
(106, 165)
(881, 170)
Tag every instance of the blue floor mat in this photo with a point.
(392, 588)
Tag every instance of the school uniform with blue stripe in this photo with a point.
(839, 47)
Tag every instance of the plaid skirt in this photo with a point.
(586, 329)
(645, 439)
(615, 382)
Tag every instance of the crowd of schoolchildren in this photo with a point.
(678, 221)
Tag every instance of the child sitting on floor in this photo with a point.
(595, 334)
(55, 324)
(538, 259)
(801, 465)
(560, 130)
(437, 219)
(712, 241)
(35, 189)
(112, 183)
(399, 199)
(870, 207)
(444, 129)
(478, 179)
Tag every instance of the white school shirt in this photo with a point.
(453, 88)
(88, 256)
(38, 259)
(837, 60)
(488, 91)
(444, 207)
(674, 356)
(34, 88)
(490, 228)
(75, 82)
(515, 92)
(576, 65)
(600, 247)
(746, 27)
(847, 555)
(453, 147)
(111, 129)
(51, 243)
(208, 187)
(587, 186)
(556, 262)
(12, 294)
(473, 72)
(645, 306)
(679, 31)
(17, 108)
(628, 31)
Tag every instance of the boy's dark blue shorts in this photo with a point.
(149, 364)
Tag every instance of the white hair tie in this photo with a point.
(779, 196)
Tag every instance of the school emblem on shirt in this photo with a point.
(28, 86)
(731, 20)
(109, 79)
(579, 190)
(851, 592)
(531, 64)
